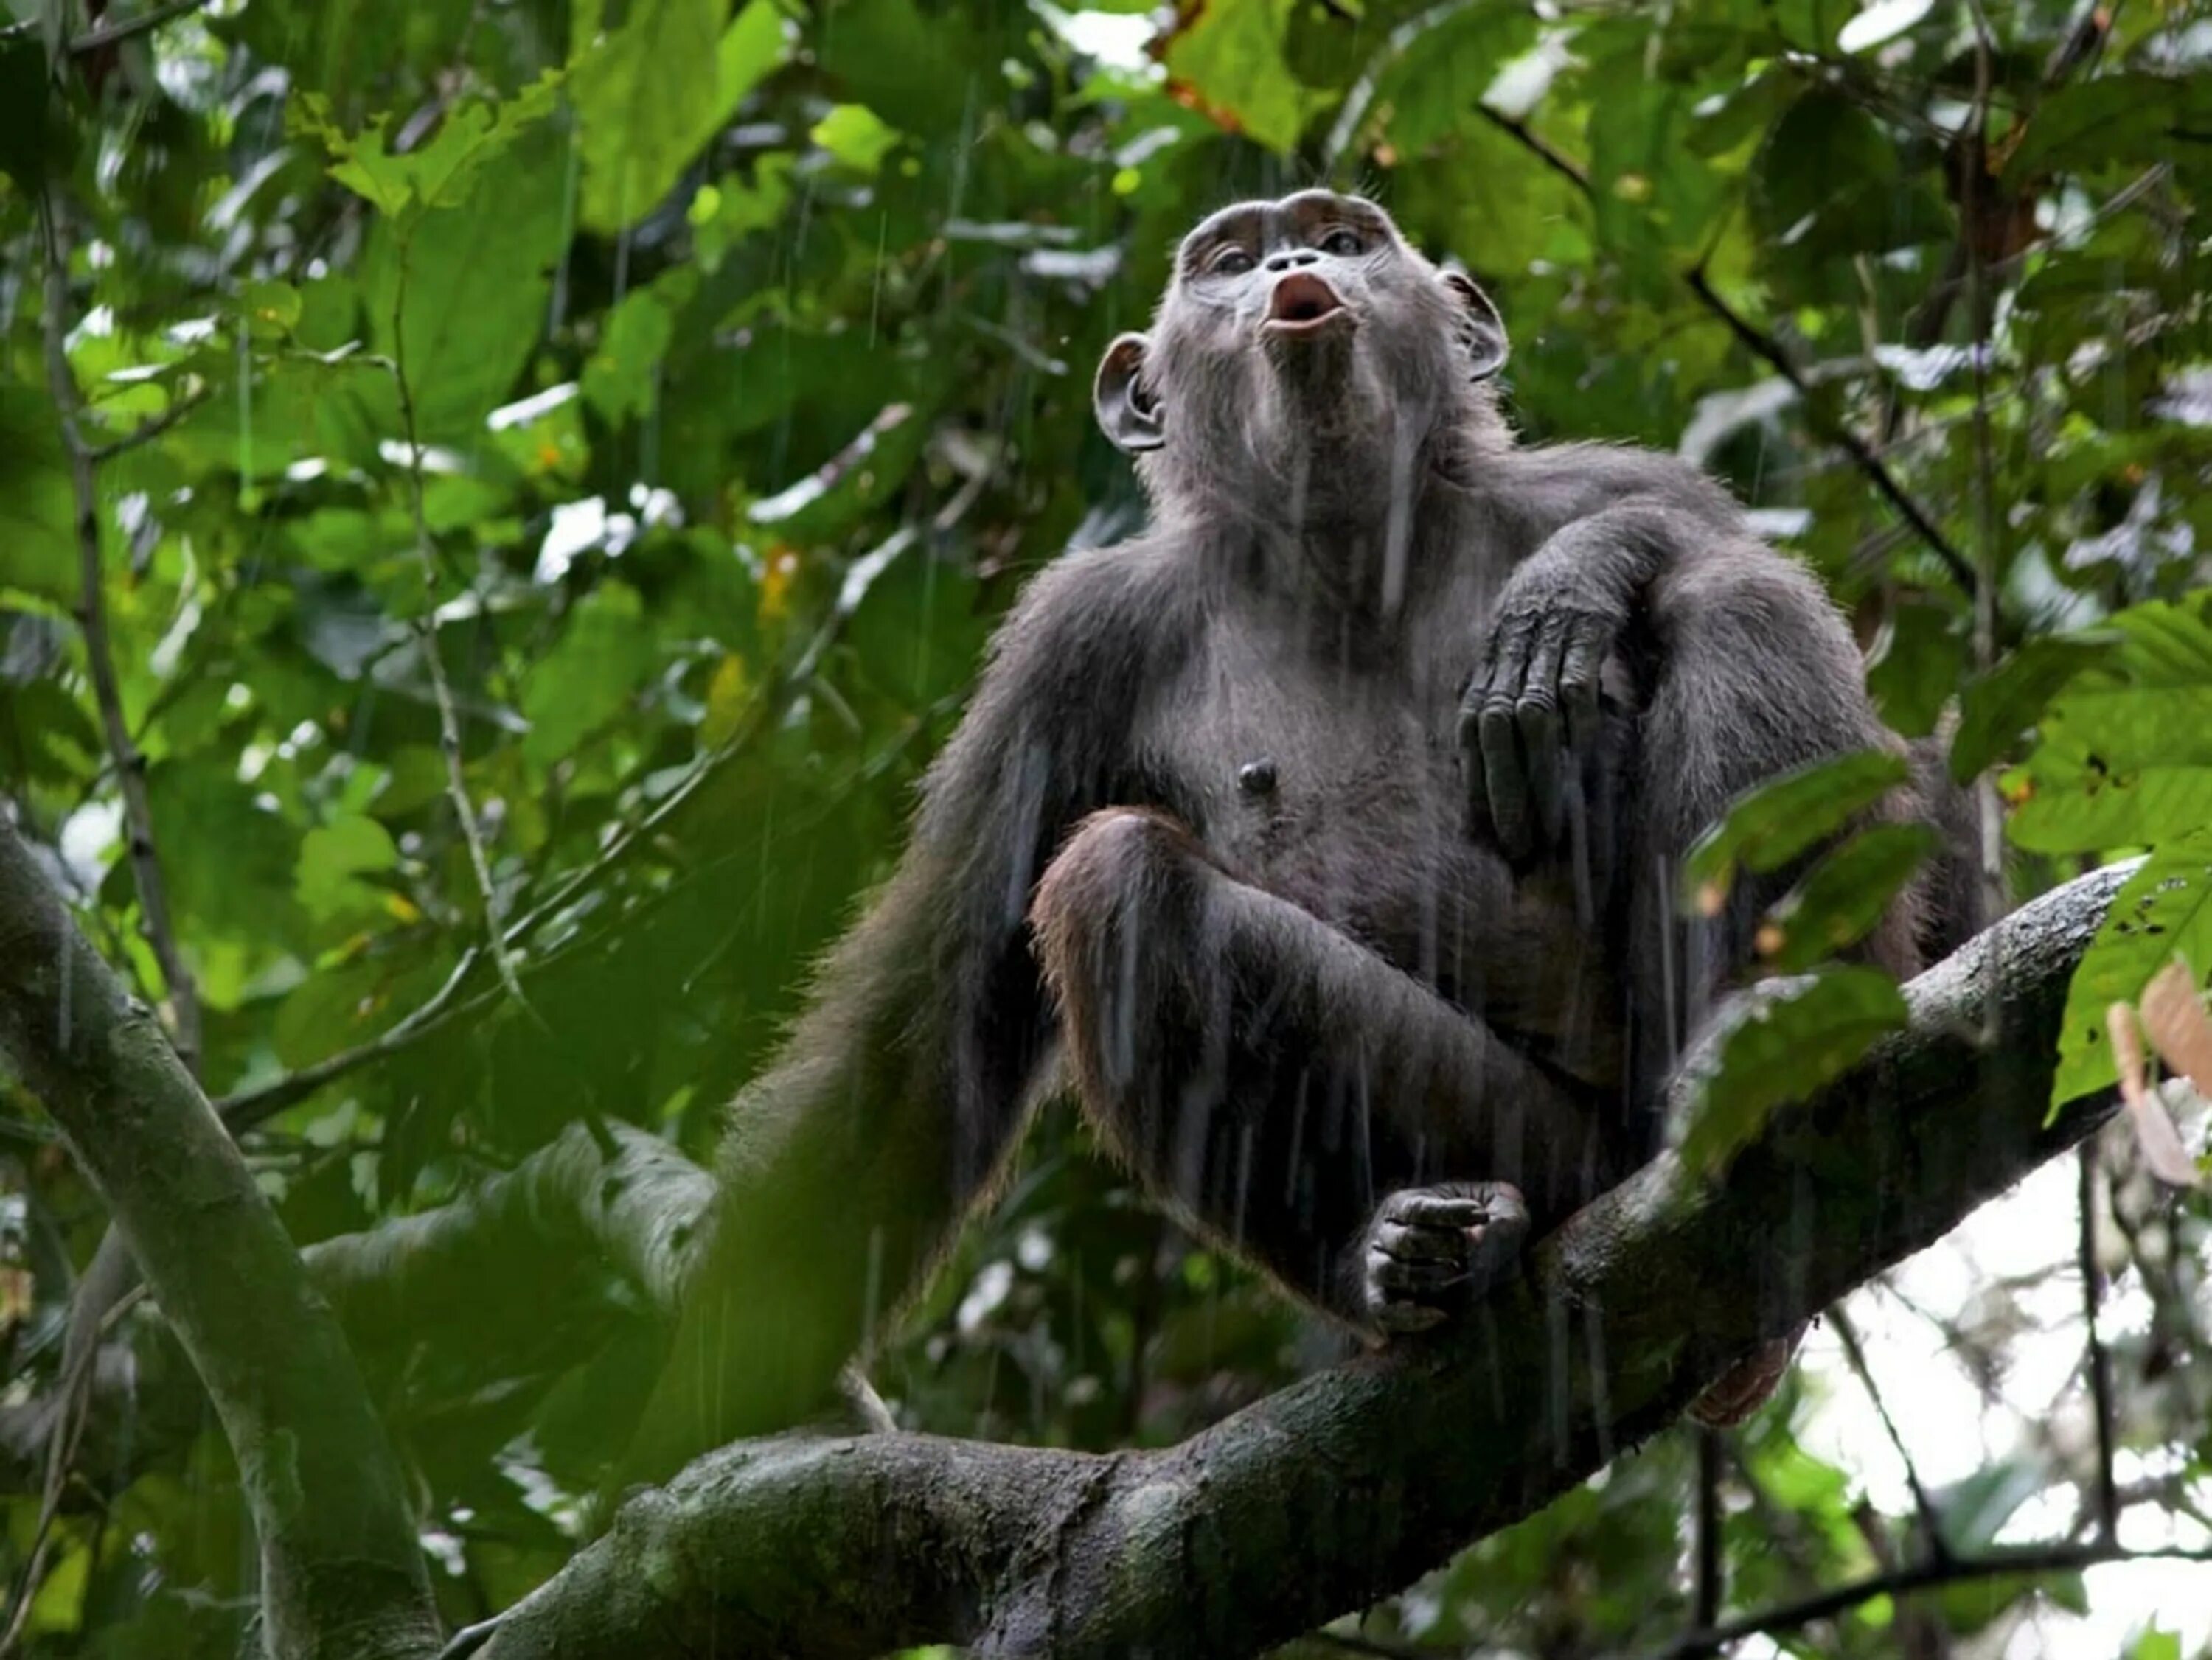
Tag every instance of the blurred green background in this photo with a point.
(676, 392)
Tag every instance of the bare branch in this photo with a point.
(2098, 1362)
(1929, 1575)
(248, 1107)
(128, 28)
(1766, 346)
(1931, 1519)
(146, 431)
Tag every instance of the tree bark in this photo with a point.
(1352, 1483)
(342, 1571)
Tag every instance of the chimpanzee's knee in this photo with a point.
(1120, 924)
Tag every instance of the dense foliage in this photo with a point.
(547, 471)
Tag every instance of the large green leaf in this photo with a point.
(1442, 61)
(2091, 810)
(1768, 827)
(472, 281)
(2163, 909)
(1232, 57)
(588, 676)
(2112, 120)
(441, 173)
(1780, 1043)
(333, 857)
(1844, 896)
(1996, 707)
(651, 93)
(37, 537)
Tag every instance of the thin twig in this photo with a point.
(1375, 1648)
(146, 431)
(1931, 1522)
(182, 993)
(1538, 146)
(248, 1107)
(1926, 1575)
(109, 34)
(1705, 1608)
(1766, 346)
(426, 640)
(1973, 178)
(2100, 1363)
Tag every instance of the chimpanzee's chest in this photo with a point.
(1339, 788)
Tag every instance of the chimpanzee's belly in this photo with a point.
(1345, 795)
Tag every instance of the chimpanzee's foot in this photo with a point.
(1745, 1387)
(1432, 1252)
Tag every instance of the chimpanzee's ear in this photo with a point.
(1481, 330)
(1127, 408)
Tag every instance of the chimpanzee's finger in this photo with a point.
(1425, 1208)
(1505, 776)
(1589, 641)
(1537, 713)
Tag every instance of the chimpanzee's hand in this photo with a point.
(1432, 1252)
(1529, 716)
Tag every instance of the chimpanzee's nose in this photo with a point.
(1291, 258)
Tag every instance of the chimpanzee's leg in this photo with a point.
(1289, 1092)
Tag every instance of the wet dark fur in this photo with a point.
(1280, 1003)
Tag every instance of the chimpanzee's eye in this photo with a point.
(1232, 262)
(1344, 242)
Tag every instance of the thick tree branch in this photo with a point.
(1350, 1485)
(341, 1570)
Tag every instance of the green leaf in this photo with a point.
(730, 209)
(651, 95)
(38, 513)
(332, 858)
(1780, 1043)
(2164, 909)
(587, 679)
(1827, 184)
(1916, 666)
(33, 143)
(1768, 827)
(1975, 1510)
(2124, 729)
(908, 67)
(2096, 811)
(856, 135)
(618, 378)
(1441, 65)
(441, 173)
(2112, 120)
(271, 310)
(1232, 57)
(1995, 707)
(1844, 896)
(475, 281)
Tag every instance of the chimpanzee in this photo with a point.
(1330, 830)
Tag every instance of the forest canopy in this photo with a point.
(500, 500)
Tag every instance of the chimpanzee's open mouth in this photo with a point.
(1303, 304)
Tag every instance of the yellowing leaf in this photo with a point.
(729, 694)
